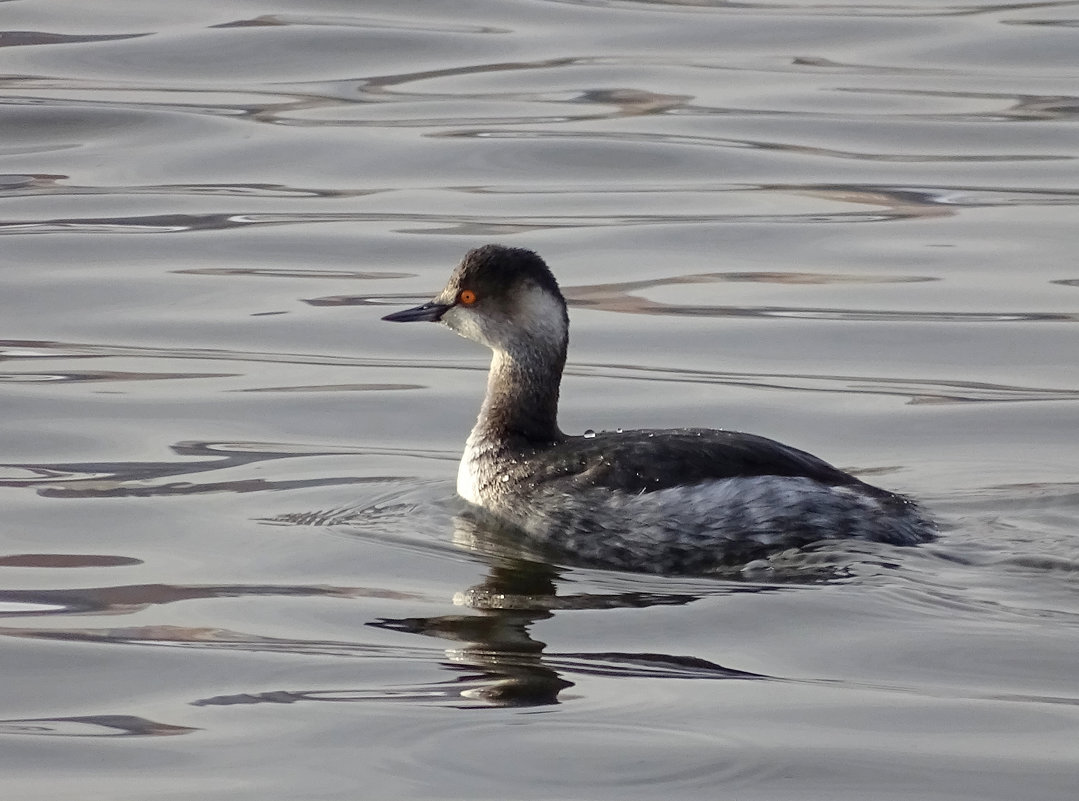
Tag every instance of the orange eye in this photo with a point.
(467, 297)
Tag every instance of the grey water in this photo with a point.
(232, 563)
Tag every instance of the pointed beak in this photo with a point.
(429, 312)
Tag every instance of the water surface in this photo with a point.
(232, 563)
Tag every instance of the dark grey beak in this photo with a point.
(429, 312)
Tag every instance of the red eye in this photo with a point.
(467, 297)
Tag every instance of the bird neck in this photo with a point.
(521, 406)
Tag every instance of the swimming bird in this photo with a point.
(664, 501)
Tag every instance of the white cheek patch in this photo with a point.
(463, 321)
(536, 317)
(540, 314)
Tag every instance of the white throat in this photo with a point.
(538, 335)
(467, 485)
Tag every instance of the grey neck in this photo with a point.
(521, 406)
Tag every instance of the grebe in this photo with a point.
(664, 501)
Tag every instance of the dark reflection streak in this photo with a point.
(657, 666)
(211, 639)
(102, 472)
(1045, 109)
(642, 306)
(52, 561)
(379, 84)
(371, 387)
(439, 122)
(24, 38)
(928, 692)
(952, 390)
(876, 194)
(519, 685)
(1053, 23)
(126, 479)
(297, 272)
(131, 598)
(612, 663)
(92, 726)
(618, 297)
(17, 349)
(223, 110)
(160, 223)
(75, 489)
(103, 375)
(896, 10)
(904, 197)
(626, 103)
(861, 70)
(583, 293)
(278, 103)
(724, 142)
(373, 23)
(1024, 107)
(378, 89)
(39, 185)
(451, 690)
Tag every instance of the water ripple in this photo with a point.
(610, 297)
(726, 142)
(85, 376)
(588, 754)
(846, 10)
(25, 38)
(92, 726)
(355, 21)
(151, 479)
(127, 599)
(916, 390)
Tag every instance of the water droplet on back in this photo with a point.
(589, 434)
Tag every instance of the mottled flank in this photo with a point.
(663, 501)
(667, 517)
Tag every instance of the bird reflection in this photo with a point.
(506, 665)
